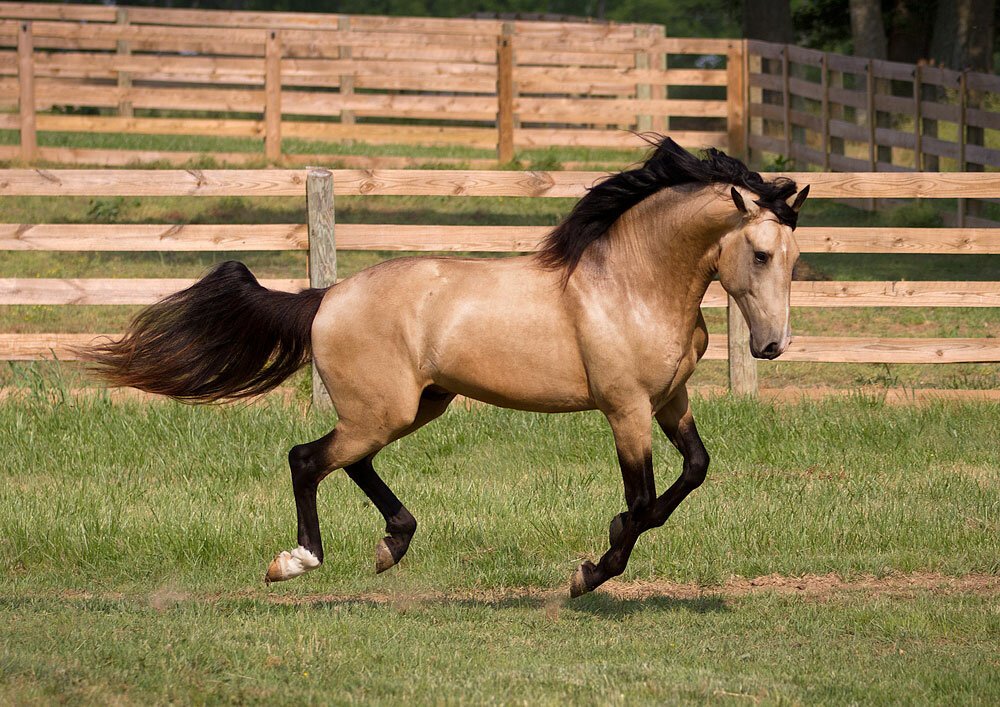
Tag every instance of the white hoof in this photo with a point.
(288, 565)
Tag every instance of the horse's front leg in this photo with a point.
(631, 430)
(677, 423)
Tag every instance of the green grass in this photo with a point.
(133, 538)
(772, 650)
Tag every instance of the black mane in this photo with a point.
(669, 165)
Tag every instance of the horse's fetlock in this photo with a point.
(402, 523)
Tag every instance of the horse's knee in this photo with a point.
(695, 469)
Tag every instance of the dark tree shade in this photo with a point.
(769, 20)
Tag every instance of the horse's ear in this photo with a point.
(800, 199)
(738, 200)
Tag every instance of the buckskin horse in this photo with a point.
(605, 315)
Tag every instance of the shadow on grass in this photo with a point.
(598, 604)
(608, 606)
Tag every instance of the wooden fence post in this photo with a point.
(124, 78)
(643, 91)
(322, 252)
(505, 96)
(786, 97)
(918, 133)
(736, 103)
(742, 365)
(963, 103)
(870, 105)
(346, 80)
(272, 97)
(824, 78)
(755, 65)
(26, 96)
(661, 122)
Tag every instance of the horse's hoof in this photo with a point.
(616, 529)
(580, 584)
(383, 557)
(288, 565)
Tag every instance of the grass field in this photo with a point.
(133, 540)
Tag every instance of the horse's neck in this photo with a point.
(667, 247)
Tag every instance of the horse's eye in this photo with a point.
(760, 257)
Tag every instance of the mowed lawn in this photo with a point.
(134, 538)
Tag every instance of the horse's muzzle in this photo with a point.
(770, 352)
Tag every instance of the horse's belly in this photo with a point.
(519, 358)
(521, 392)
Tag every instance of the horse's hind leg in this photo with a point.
(310, 463)
(400, 525)
(351, 446)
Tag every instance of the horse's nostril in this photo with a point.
(771, 350)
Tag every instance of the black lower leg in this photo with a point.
(625, 527)
(308, 467)
(692, 476)
(400, 525)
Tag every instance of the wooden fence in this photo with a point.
(318, 234)
(274, 76)
(846, 113)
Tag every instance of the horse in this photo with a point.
(604, 315)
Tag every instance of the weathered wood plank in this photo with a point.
(31, 347)
(355, 236)
(50, 291)
(880, 294)
(829, 239)
(828, 349)
(146, 237)
(922, 185)
(129, 158)
(130, 182)
(290, 182)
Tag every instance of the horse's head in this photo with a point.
(755, 267)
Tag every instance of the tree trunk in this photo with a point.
(909, 31)
(975, 34)
(964, 33)
(768, 20)
(867, 29)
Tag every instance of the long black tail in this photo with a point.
(225, 337)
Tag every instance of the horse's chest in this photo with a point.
(672, 364)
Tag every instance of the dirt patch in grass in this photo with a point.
(811, 586)
(819, 586)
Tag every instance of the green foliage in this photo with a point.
(918, 214)
(105, 210)
(778, 163)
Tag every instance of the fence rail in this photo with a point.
(285, 183)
